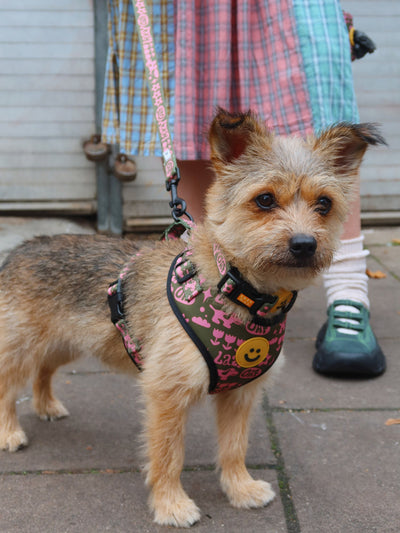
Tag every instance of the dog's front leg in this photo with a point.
(166, 414)
(233, 414)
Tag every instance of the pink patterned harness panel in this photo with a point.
(235, 352)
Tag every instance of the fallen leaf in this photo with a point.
(377, 274)
(396, 242)
(392, 421)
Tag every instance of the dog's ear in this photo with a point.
(344, 145)
(231, 133)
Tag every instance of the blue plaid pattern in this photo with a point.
(127, 108)
(325, 47)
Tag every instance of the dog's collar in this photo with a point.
(233, 286)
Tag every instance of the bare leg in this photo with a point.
(196, 177)
(352, 227)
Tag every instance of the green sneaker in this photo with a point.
(344, 354)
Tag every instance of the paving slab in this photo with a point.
(299, 387)
(97, 503)
(343, 469)
(101, 431)
(309, 311)
(104, 426)
(389, 257)
(14, 230)
(383, 235)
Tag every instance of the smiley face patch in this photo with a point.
(252, 352)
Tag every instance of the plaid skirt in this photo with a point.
(289, 61)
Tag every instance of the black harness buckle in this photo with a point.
(243, 293)
(115, 302)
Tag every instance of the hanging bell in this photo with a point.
(124, 168)
(94, 149)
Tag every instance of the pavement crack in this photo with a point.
(308, 410)
(292, 521)
(382, 264)
(68, 471)
(118, 470)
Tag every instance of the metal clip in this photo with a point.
(177, 204)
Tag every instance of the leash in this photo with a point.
(170, 165)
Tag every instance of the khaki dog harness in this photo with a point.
(236, 352)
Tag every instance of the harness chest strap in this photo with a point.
(236, 352)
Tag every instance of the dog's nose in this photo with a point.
(302, 246)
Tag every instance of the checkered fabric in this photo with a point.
(239, 55)
(326, 54)
(127, 109)
(289, 61)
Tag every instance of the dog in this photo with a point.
(274, 215)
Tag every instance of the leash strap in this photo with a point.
(170, 165)
(155, 87)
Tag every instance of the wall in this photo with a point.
(377, 84)
(47, 99)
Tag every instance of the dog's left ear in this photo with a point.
(344, 145)
(231, 133)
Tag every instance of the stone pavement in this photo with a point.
(321, 442)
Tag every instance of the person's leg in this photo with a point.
(196, 177)
(346, 344)
(346, 279)
(352, 227)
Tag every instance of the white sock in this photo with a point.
(346, 278)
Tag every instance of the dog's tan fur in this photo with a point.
(53, 305)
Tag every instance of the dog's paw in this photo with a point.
(53, 410)
(13, 441)
(179, 512)
(250, 494)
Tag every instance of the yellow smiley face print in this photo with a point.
(252, 352)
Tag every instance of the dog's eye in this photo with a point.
(266, 201)
(324, 205)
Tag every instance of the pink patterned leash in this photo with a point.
(170, 165)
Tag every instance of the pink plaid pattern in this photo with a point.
(238, 55)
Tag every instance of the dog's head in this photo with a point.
(278, 204)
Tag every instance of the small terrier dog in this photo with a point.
(274, 214)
